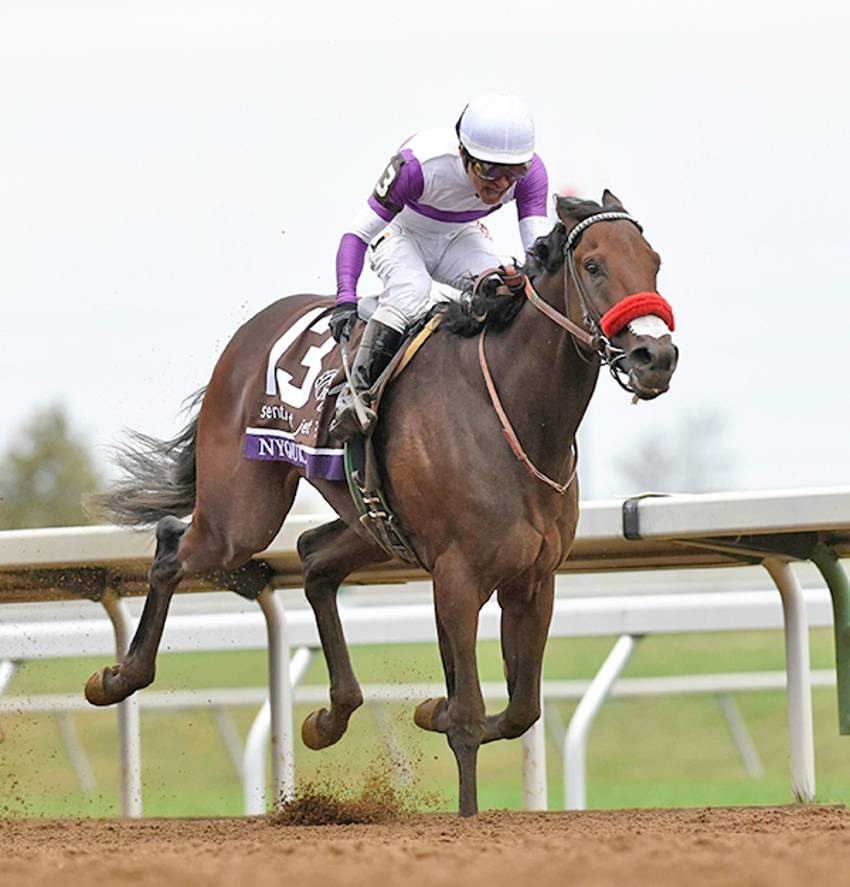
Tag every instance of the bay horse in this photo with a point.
(481, 516)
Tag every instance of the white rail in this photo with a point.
(630, 617)
(250, 760)
(730, 529)
(414, 623)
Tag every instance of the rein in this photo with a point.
(561, 319)
(510, 434)
(598, 341)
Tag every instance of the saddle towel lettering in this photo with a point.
(292, 414)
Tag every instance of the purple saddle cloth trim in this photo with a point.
(267, 444)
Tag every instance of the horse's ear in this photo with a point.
(611, 201)
(566, 208)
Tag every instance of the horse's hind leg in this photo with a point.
(328, 554)
(526, 614)
(114, 683)
(227, 529)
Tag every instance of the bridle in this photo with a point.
(595, 336)
(592, 336)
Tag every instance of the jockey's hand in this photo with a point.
(513, 277)
(342, 321)
(506, 280)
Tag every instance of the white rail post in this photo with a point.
(253, 761)
(741, 736)
(575, 743)
(535, 794)
(75, 751)
(7, 672)
(797, 664)
(280, 697)
(129, 740)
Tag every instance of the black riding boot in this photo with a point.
(377, 347)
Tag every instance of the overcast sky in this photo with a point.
(168, 169)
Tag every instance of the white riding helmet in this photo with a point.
(497, 127)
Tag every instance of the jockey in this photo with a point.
(422, 224)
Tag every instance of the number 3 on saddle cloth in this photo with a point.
(291, 416)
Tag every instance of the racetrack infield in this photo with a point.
(773, 846)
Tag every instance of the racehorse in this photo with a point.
(482, 514)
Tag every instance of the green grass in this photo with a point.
(663, 751)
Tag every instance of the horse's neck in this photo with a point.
(544, 383)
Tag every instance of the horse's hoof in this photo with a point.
(98, 690)
(311, 734)
(426, 711)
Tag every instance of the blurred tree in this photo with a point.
(692, 457)
(44, 473)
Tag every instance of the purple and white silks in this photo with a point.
(433, 191)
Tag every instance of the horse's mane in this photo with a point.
(473, 312)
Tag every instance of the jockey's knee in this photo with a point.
(405, 299)
(396, 317)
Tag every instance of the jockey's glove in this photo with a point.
(342, 321)
(513, 277)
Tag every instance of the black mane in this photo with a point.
(473, 312)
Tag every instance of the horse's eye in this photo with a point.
(591, 267)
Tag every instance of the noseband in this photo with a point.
(599, 329)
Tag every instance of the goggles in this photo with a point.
(491, 172)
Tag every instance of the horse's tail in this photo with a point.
(158, 476)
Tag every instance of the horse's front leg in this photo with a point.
(328, 554)
(457, 600)
(431, 713)
(526, 615)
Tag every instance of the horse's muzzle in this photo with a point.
(650, 363)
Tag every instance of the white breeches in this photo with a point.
(407, 262)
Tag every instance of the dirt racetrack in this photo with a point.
(774, 846)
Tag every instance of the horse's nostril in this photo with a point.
(640, 358)
(665, 358)
(654, 356)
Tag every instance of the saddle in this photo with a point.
(291, 422)
(295, 401)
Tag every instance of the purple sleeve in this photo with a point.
(349, 264)
(532, 191)
(400, 183)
